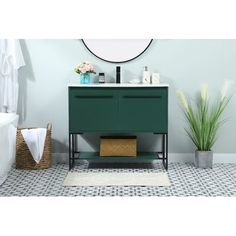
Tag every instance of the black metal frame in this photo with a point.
(117, 62)
(73, 150)
(164, 152)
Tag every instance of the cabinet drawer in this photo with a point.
(143, 110)
(92, 109)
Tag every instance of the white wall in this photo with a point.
(182, 63)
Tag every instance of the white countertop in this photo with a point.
(117, 85)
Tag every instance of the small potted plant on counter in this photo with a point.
(85, 69)
(204, 120)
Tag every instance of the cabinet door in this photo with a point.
(143, 109)
(92, 109)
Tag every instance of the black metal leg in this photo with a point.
(163, 149)
(73, 148)
(70, 152)
(166, 151)
(75, 143)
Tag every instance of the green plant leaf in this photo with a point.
(204, 120)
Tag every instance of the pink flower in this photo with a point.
(83, 70)
(85, 67)
(91, 67)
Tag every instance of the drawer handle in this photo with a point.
(93, 96)
(142, 96)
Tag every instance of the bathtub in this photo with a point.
(8, 125)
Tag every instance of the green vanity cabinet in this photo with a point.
(118, 109)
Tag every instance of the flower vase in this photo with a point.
(85, 78)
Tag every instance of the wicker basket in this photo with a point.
(118, 146)
(24, 159)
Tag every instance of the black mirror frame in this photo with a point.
(116, 62)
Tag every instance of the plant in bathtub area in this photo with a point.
(204, 120)
(85, 69)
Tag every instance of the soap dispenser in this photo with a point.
(146, 76)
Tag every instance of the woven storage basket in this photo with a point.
(118, 146)
(24, 159)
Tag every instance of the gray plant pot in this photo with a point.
(203, 159)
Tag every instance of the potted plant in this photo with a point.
(85, 69)
(204, 120)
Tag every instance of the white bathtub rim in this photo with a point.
(7, 121)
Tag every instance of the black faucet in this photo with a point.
(118, 74)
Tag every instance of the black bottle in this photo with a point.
(118, 74)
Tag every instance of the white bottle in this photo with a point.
(146, 76)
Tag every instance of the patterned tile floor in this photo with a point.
(185, 179)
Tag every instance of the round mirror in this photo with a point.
(117, 50)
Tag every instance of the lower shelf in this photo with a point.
(141, 157)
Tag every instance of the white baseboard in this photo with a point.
(189, 157)
(173, 157)
(60, 158)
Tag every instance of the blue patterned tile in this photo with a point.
(185, 180)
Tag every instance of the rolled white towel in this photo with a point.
(35, 139)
